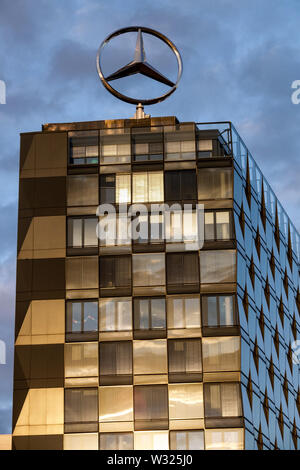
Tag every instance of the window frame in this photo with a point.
(206, 274)
(94, 134)
(185, 312)
(148, 200)
(115, 378)
(148, 333)
(182, 287)
(148, 274)
(80, 336)
(117, 138)
(150, 241)
(116, 290)
(214, 187)
(230, 225)
(179, 134)
(218, 419)
(118, 434)
(186, 431)
(218, 309)
(86, 249)
(152, 423)
(115, 300)
(154, 136)
(182, 186)
(81, 426)
(184, 376)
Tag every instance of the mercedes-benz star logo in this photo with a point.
(139, 65)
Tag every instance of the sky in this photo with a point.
(239, 61)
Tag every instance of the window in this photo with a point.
(83, 147)
(107, 189)
(149, 229)
(147, 144)
(218, 225)
(116, 441)
(114, 230)
(224, 439)
(221, 354)
(204, 148)
(218, 310)
(82, 190)
(148, 269)
(115, 146)
(115, 404)
(81, 410)
(180, 142)
(115, 189)
(182, 226)
(183, 312)
(115, 314)
(222, 400)
(115, 274)
(185, 360)
(185, 402)
(150, 407)
(82, 320)
(81, 360)
(187, 440)
(149, 317)
(180, 185)
(115, 359)
(150, 358)
(148, 187)
(82, 273)
(151, 440)
(218, 266)
(82, 232)
(182, 272)
(211, 147)
(214, 183)
(81, 441)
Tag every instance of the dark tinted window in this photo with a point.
(115, 272)
(151, 407)
(115, 359)
(185, 363)
(180, 185)
(182, 272)
(218, 310)
(149, 317)
(81, 410)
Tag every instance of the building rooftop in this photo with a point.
(238, 150)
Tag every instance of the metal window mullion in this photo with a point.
(82, 232)
(218, 310)
(82, 316)
(215, 225)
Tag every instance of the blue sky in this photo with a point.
(240, 59)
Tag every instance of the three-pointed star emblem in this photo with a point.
(140, 65)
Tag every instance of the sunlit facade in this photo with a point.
(5, 442)
(146, 344)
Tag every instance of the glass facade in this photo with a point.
(144, 344)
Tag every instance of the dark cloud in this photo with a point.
(72, 61)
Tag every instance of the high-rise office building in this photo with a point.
(145, 343)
